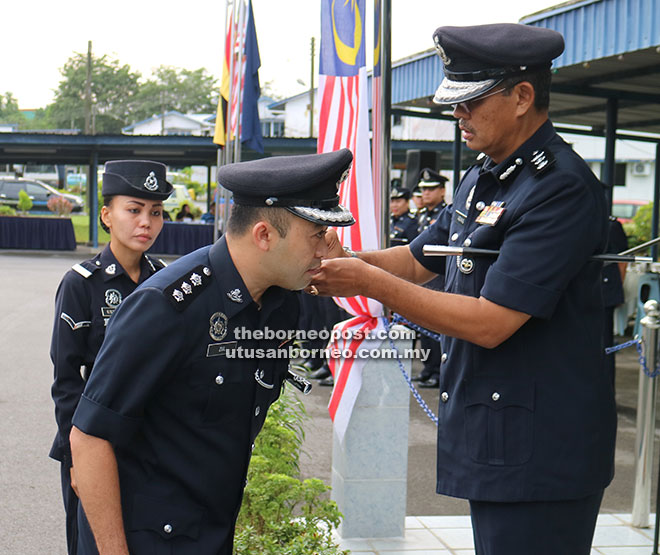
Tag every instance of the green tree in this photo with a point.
(113, 87)
(9, 111)
(183, 90)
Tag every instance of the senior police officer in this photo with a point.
(527, 420)
(162, 435)
(403, 226)
(132, 213)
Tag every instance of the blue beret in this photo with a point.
(479, 57)
(136, 178)
(306, 185)
(429, 178)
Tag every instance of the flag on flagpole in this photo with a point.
(242, 110)
(344, 122)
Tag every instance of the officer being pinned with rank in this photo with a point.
(164, 431)
(133, 194)
(526, 416)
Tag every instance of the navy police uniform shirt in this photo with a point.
(534, 418)
(86, 298)
(170, 392)
(403, 229)
(612, 286)
(426, 217)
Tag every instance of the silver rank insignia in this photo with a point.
(111, 270)
(259, 377)
(112, 298)
(235, 295)
(151, 183)
(218, 326)
(177, 295)
(207, 271)
(195, 279)
(345, 174)
(468, 200)
(187, 288)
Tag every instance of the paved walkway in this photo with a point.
(452, 535)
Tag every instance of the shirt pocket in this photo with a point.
(222, 388)
(499, 420)
(164, 526)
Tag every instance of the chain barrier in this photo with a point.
(413, 389)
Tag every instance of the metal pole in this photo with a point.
(458, 147)
(656, 201)
(386, 118)
(311, 92)
(610, 143)
(239, 78)
(232, 54)
(93, 199)
(645, 418)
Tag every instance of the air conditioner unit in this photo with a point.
(640, 168)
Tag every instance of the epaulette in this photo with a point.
(182, 291)
(85, 269)
(542, 160)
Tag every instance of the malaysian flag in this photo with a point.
(344, 122)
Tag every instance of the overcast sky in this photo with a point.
(38, 36)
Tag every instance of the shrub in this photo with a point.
(24, 201)
(280, 513)
(7, 210)
(639, 229)
(60, 205)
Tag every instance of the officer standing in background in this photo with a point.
(132, 213)
(403, 225)
(417, 201)
(527, 419)
(432, 186)
(162, 436)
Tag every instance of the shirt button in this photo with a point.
(444, 396)
(167, 528)
(454, 237)
(443, 358)
(495, 396)
(257, 411)
(605, 280)
(467, 242)
(219, 379)
(480, 205)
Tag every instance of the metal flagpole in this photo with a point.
(239, 86)
(385, 118)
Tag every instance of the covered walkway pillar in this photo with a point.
(610, 142)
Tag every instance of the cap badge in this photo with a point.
(218, 326)
(235, 295)
(151, 183)
(344, 175)
(112, 298)
(441, 52)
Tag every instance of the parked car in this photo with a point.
(625, 210)
(39, 193)
(179, 194)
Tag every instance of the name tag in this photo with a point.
(220, 349)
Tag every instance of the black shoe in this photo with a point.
(430, 383)
(320, 373)
(420, 377)
(330, 381)
(311, 365)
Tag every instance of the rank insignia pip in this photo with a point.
(181, 293)
(542, 160)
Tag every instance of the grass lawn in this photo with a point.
(81, 229)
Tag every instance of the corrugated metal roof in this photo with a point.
(595, 29)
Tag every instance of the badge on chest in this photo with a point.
(491, 214)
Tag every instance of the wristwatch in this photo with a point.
(350, 252)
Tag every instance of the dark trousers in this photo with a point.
(71, 510)
(432, 364)
(608, 340)
(535, 528)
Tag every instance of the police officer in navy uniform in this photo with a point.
(133, 193)
(527, 419)
(403, 225)
(162, 436)
(432, 187)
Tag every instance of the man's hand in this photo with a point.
(342, 277)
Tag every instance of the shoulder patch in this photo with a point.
(183, 290)
(84, 272)
(542, 160)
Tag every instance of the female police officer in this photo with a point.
(133, 192)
